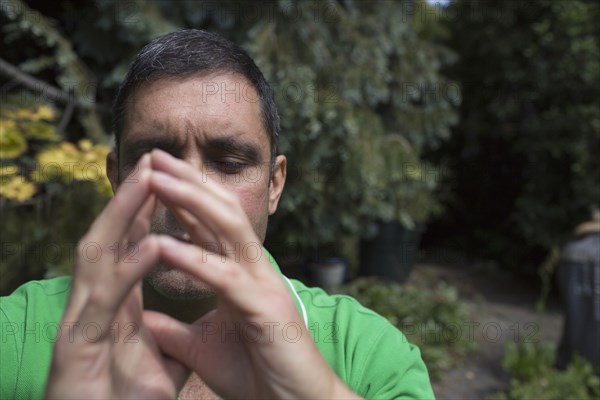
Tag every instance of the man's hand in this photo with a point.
(108, 352)
(255, 343)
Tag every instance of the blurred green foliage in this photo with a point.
(530, 365)
(50, 191)
(351, 81)
(432, 318)
(524, 157)
(40, 45)
(368, 92)
(39, 238)
(355, 135)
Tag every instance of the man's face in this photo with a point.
(214, 123)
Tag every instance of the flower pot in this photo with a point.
(328, 272)
(391, 252)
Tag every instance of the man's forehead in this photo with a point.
(216, 104)
(199, 91)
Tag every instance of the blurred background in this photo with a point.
(440, 156)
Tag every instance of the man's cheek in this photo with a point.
(255, 205)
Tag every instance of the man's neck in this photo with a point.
(186, 310)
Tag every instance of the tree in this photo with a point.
(524, 156)
(348, 77)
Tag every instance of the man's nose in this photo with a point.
(194, 158)
(205, 170)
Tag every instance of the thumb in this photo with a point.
(177, 339)
(172, 338)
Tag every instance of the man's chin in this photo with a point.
(174, 284)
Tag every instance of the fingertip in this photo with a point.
(175, 338)
(151, 318)
(166, 240)
(150, 239)
(157, 155)
(145, 159)
(141, 174)
(158, 324)
(145, 175)
(144, 162)
(152, 243)
(170, 247)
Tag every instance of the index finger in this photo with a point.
(117, 217)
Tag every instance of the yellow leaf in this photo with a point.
(51, 154)
(8, 170)
(17, 188)
(39, 130)
(52, 163)
(67, 163)
(21, 113)
(7, 124)
(69, 148)
(88, 157)
(12, 143)
(102, 150)
(86, 144)
(44, 112)
(80, 172)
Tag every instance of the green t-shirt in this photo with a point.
(363, 348)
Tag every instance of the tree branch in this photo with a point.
(50, 91)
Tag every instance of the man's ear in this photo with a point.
(277, 182)
(112, 170)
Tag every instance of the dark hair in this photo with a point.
(188, 52)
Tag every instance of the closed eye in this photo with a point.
(228, 166)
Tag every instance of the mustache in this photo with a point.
(166, 224)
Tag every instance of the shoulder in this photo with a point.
(29, 321)
(44, 294)
(322, 307)
(44, 287)
(369, 353)
(584, 249)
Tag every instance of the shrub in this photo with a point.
(50, 192)
(533, 377)
(430, 318)
(523, 158)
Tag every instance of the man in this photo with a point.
(578, 278)
(196, 175)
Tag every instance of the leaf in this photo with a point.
(17, 188)
(8, 170)
(39, 130)
(12, 143)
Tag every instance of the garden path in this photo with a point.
(503, 309)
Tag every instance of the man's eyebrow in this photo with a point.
(144, 144)
(229, 144)
(225, 144)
